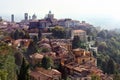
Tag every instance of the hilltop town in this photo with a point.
(52, 49)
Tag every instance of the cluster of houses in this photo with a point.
(79, 63)
(50, 21)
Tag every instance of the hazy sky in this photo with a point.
(105, 13)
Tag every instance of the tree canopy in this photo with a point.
(46, 62)
(59, 32)
(77, 43)
(23, 74)
(7, 62)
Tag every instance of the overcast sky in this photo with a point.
(97, 12)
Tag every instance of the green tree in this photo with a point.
(63, 71)
(26, 35)
(39, 35)
(89, 38)
(102, 46)
(35, 39)
(76, 42)
(7, 61)
(95, 77)
(110, 66)
(24, 71)
(17, 34)
(46, 62)
(116, 76)
(59, 32)
(18, 58)
(3, 74)
(96, 43)
(32, 48)
(103, 34)
(45, 50)
(91, 31)
(103, 66)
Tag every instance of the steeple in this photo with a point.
(34, 17)
(49, 12)
(50, 15)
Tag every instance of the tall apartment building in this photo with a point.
(12, 18)
(0, 18)
(26, 16)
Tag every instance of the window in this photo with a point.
(83, 61)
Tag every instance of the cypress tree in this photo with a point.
(76, 42)
(32, 48)
(110, 66)
(39, 35)
(23, 74)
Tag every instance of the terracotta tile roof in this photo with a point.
(45, 45)
(77, 31)
(27, 42)
(49, 72)
(36, 56)
(79, 49)
(43, 74)
(44, 40)
(91, 69)
(39, 76)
